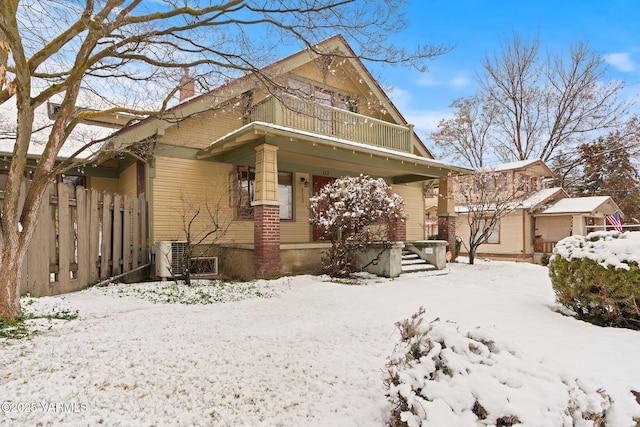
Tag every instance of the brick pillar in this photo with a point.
(266, 213)
(398, 230)
(447, 231)
(266, 240)
(447, 214)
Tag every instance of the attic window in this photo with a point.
(299, 88)
(323, 94)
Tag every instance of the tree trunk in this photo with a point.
(15, 243)
(472, 255)
(10, 266)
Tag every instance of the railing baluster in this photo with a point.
(331, 121)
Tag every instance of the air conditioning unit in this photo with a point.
(170, 258)
(170, 261)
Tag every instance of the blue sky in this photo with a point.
(479, 28)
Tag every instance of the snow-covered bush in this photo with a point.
(440, 376)
(353, 213)
(597, 277)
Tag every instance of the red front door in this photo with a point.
(318, 182)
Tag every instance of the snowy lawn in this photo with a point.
(297, 351)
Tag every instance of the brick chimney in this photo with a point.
(187, 86)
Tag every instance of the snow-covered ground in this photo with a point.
(310, 354)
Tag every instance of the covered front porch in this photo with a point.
(569, 217)
(283, 167)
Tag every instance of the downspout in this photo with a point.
(119, 276)
(524, 235)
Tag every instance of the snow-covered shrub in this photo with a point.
(597, 277)
(353, 213)
(440, 376)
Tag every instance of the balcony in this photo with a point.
(300, 114)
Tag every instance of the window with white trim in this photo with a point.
(494, 233)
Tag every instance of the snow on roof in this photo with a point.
(81, 135)
(367, 78)
(577, 205)
(529, 203)
(513, 165)
(542, 196)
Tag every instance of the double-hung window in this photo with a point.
(494, 233)
(246, 184)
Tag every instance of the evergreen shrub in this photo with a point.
(598, 278)
(441, 375)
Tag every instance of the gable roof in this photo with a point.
(537, 164)
(153, 125)
(584, 205)
(537, 199)
(532, 202)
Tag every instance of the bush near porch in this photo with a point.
(597, 277)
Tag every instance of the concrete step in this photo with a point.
(412, 263)
(414, 268)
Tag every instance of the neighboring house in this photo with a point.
(572, 216)
(542, 218)
(102, 177)
(258, 153)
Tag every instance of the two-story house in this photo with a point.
(249, 154)
(542, 215)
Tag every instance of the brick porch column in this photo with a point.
(447, 231)
(266, 213)
(398, 230)
(447, 214)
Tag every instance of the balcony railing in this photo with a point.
(325, 120)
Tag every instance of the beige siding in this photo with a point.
(105, 184)
(128, 181)
(298, 230)
(529, 235)
(337, 80)
(553, 228)
(511, 235)
(414, 207)
(180, 185)
(202, 129)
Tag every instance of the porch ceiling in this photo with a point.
(308, 148)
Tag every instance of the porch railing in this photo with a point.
(296, 113)
(544, 247)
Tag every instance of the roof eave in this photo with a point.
(265, 128)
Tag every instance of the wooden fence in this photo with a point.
(84, 236)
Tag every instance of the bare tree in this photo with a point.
(538, 107)
(572, 168)
(205, 217)
(124, 56)
(485, 197)
(465, 137)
